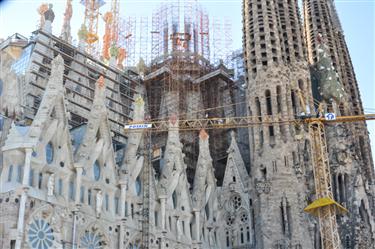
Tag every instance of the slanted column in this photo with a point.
(25, 188)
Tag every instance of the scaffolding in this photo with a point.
(127, 39)
(91, 21)
(222, 40)
(143, 39)
(179, 26)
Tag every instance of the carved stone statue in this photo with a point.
(49, 15)
(51, 185)
(99, 203)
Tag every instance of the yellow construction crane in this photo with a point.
(324, 207)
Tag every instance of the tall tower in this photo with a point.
(276, 68)
(350, 159)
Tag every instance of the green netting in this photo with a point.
(329, 85)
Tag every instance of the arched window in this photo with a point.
(60, 186)
(116, 202)
(1, 123)
(71, 190)
(89, 196)
(156, 217)
(294, 101)
(19, 173)
(10, 173)
(49, 153)
(258, 109)
(138, 186)
(126, 209)
(31, 177)
(96, 169)
(82, 195)
(174, 199)
(278, 98)
(40, 180)
(132, 210)
(268, 102)
(106, 202)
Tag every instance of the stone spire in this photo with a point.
(174, 161)
(96, 120)
(66, 29)
(204, 179)
(132, 163)
(54, 91)
(9, 98)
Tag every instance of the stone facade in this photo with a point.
(279, 54)
(59, 194)
(71, 177)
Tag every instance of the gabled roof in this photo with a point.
(235, 164)
(97, 141)
(52, 105)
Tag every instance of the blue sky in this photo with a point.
(357, 18)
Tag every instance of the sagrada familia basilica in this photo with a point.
(73, 176)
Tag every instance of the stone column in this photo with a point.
(178, 227)
(123, 185)
(25, 188)
(122, 233)
(162, 209)
(74, 229)
(197, 225)
(78, 185)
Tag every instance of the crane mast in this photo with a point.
(324, 207)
